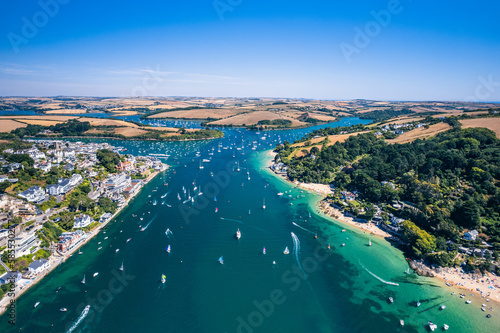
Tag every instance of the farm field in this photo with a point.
(420, 133)
(489, 123)
(7, 125)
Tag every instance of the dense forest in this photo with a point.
(72, 127)
(450, 180)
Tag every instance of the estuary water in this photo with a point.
(311, 289)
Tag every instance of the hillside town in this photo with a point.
(54, 196)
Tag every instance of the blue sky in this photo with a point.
(416, 50)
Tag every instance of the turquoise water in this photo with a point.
(311, 289)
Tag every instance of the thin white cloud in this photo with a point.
(17, 71)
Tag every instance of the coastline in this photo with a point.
(56, 259)
(451, 277)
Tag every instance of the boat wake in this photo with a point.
(222, 218)
(296, 252)
(379, 278)
(77, 322)
(147, 225)
(298, 226)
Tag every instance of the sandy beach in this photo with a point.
(486, 288)
(369, 228)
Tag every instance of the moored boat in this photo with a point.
(63, 309)
(238, 234)
(36, 304)
(286, 250)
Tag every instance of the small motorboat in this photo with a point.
(418, 304)
(274, 262)
(128, 240)
(63, 309)
(264, 250)
(391, 300)
(100, 247)
(286, 250)
(343, 244)
(402, 322)
(432, 326)
(445, 327)
(238, 234)
(163, 278)
(468, 301)
(442, 307)
(58, 288)
(117, 250)
(95, 274)
(36, 304)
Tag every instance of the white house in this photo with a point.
(105, 217)
(38, 266)
(33, 194)
(471, 235)
(82, 221)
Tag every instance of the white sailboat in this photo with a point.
(121, 267)
(83, 280)
(286, 250)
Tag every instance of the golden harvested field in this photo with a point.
(332, 140)
(420, 133)
(7, 125)
(129, 131)
(489, 123)
(253, 118)
(173, 129)
(458, 113)
(107, 122)
(403, 120)
(197, 114)
(66, 111)
(40, 122)
(57, 118)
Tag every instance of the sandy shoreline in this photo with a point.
(478, 285)
(56, 259)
